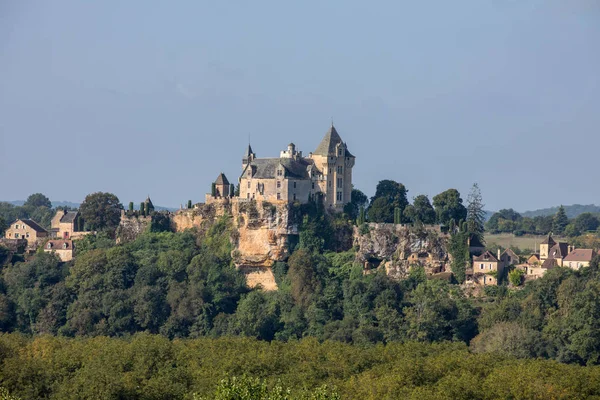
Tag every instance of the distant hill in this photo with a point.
(572, 211)
(76, 205)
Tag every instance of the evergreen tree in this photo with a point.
(142, 209)
(560, 221)
(475, 213)
(361, 216)
(189, 204)
(397, 216)
(131, 206)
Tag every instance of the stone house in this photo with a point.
(578, 258)
(292, 177)
(67, 225)
(486, 269)
(62, 247)
(26, 229)
(509, 257)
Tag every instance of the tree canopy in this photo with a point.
(101, 211)
(449, 206)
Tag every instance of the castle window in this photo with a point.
(313, 185)
(329, 184)
(279, 172)
(294, 185)
(247, 195)
(339, 196)
(248, 184)
(294, 196)
(278, 196)
(340, 169)
(339, 182)
(278, 184)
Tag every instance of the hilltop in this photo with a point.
(572, 211)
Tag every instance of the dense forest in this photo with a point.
(169, 316)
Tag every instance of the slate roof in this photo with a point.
(33, 225)
(248, 151)
(487, 256)
(549, 241)
(580, 255)
(58, 244)
(549, 263)
(266, 168)
(511, 254)
(327, 145)
(68, 217)
(559, 250)
(222, 179)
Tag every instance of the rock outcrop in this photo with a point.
(398, 247)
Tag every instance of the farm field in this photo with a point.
(527, 242)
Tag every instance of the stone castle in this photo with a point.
(325, 173)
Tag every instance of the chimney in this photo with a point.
(498, 253)
(571, 248)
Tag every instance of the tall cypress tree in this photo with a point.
(475, 213)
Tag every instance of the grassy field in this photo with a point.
(528, 242)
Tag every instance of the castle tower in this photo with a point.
(249, 156)
(335, 162)
(148, 206)
(222, 186)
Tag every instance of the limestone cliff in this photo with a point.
(398, 247)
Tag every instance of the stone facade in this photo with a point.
(67, 225)
(292, 177)
(63, 248)
(26, 229)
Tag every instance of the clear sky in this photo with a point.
(145, 97)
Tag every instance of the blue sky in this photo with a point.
(137, 97)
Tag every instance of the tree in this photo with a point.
(357, 200)
(448, 205)
(475, 213)
(560, 221)
(101, 211)
(381, 210)
(493, 225)
(388, 196)
(131, 206)
(37, 200)
(421, 210)
(189, 204)
(586, 222)
(142, 209)
(3, 225)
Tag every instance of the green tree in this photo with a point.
(586, 222)
(142, 209)
(3, 225)
(131, 206)
(38, 200)
(475, 213)
(494, 223)
(560, 221)
(388, 196)
(358, 200)
(101, 211)
(421, 210)
(516, 277)
(189, 204)
(448, 205)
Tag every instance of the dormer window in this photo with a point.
(65, 245)
(49, 246)
(279, 172)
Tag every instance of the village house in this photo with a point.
(553, 255)
(579, 258)
(67, 225)
(327, 172)
(486, 269)
(62, 247)
(26, 229)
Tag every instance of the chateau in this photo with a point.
(326, 172)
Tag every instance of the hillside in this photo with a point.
(572, 210)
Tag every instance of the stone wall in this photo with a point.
(398, 247)
(130, 227)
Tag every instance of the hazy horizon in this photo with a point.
(136, 98)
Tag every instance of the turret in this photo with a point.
(249, 156)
